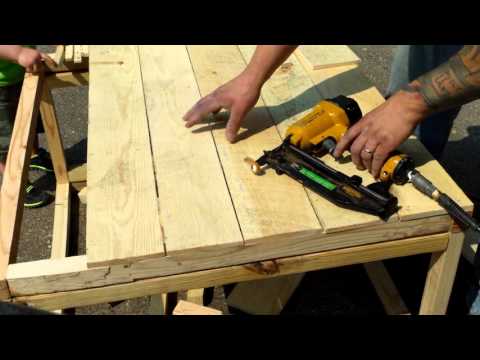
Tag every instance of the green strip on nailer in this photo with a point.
(318, 179)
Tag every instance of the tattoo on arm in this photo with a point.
(454, 83)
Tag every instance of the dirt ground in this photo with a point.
(342, 291)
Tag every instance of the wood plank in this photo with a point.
(290, 94)
(195, 296)
(188, 171)
(385, 288)
(441, 275)
(4, 291)
(77, 54)
(264, 297)
(325, 56)
(349, 81)
(16, 170)
(78, 173)
(84, 50)
(214, 277)
(61, 222)
(123, 221)
(54, 139)
(259, 201)
(69, 53)
(157, 305)
(66, 67)
(72, 273)
(60, 54)
(189, 308)
(61, 225)
(67, 79)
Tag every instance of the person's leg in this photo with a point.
(409, 63)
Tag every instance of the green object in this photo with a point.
(318, 179)
(11, 73)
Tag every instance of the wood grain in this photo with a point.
(264, 297)
(261, 202)
(16, 170)
(326, 56)
(221, 276)
(189, 308)
(441, 275)
(67, 79)
(72, 273)
(195, 206)
(61, 221)
(123, 221)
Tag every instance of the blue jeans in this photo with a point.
(410, 62)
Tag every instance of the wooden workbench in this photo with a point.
(172, 209)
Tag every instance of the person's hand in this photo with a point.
(32, 59)
(238, 95)
(381, 131)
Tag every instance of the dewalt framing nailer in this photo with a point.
(317, 134)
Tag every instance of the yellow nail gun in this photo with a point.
(317, 134)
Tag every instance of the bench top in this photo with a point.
(157, 189)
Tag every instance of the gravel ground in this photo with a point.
(342, 291)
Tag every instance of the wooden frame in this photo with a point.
(64, 282)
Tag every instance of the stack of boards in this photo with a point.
(71, 53)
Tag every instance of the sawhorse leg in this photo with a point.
(441, 275)
(62, 194)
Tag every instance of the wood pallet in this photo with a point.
(180, 210)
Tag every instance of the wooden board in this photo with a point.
(260, 201)
(61, 221)
(326, 56)
(195, 296)
(69, 53)
(123, 222)
(264, 297)
(189, 308)
(72, 274)
(441, 275)
(77, 54)
(195, 206)
(67, 79)
(60, 54)
(14, 178)
(206, 278)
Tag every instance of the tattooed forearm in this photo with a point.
(454, 83)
